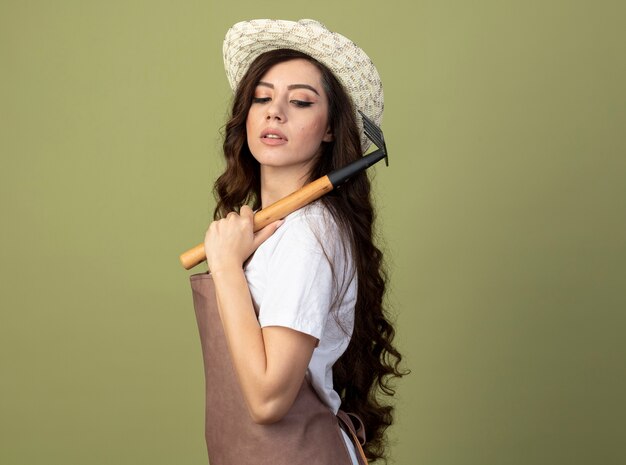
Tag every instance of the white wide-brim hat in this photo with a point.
(246, 40)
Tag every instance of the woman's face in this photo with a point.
(288, 118)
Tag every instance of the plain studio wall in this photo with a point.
(502, 215)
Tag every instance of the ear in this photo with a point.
(328, 136)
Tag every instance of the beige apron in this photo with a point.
(308, 435)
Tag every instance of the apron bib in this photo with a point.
(308, 435)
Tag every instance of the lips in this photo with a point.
(271, 134)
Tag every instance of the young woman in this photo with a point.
(291, 317)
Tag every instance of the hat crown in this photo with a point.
(312, 22)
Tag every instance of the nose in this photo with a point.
(275, 111)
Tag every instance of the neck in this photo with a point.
(279, 183)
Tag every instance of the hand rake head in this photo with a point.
(375, 134)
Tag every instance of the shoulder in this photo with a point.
(308, 235)
(306, 223)
(315, 218)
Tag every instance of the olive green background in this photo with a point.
(503, 218)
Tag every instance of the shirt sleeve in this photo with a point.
(300, 281)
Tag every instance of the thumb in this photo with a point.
(263, 234)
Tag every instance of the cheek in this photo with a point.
(250, 126)
(254, 115)
(314, 130)
(251, 141)
(308, 134)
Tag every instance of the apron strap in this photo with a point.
(357, 433)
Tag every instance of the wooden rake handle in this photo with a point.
(274, 212)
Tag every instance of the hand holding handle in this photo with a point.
(276, 211)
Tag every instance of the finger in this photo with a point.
(263, 234)
(210, 229)
(246, 212)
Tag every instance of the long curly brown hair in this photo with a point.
(363, 373)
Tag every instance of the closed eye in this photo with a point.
(261, 99)
(301, 103)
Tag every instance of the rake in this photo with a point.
(307, 193)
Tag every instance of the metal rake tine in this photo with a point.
(373, 132)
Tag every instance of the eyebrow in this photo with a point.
(290, 87)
